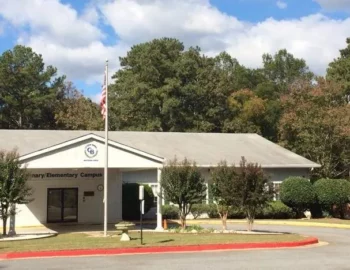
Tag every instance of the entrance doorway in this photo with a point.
(62, 205)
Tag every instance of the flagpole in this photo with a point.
(105, 200)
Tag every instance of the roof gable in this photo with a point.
(88, 151)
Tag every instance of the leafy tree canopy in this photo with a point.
(76, 112)
(28, 90)
(13, 185)
(283, 69)
(316, 124)
(338, 70)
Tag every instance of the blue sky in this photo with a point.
(77, 36)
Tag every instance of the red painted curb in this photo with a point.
(162, 249)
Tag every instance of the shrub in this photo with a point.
(212, 211)
(233, 213)
(273, 210)
(236, 213)
(298, 193)
(199, 209)
(170, 211)
(333, 192)
(131, 203)
(277, 210)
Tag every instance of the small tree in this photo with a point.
(333, 192)
(13, 185)
(183, 185)
(225, 190)
(256, 189)
(298, 193)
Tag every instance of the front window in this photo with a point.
(276, 187)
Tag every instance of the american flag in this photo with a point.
(103, 96)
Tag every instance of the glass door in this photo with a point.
(54, 205)
(70, 204)
(62, 205)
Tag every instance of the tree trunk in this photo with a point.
(342, 211)
(250, 217)
(250, 224)
(224, 221)
(183, 222)
(4, 221)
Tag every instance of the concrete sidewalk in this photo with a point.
(270, 222)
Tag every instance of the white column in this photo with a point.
(159, 202)
(207, 195)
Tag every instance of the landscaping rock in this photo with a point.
(125, 237)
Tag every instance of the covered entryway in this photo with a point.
(62, 205)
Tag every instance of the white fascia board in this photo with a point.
(135, 151)
(86, 137)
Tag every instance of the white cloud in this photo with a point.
(52, 19)
(334, 5)
(66, 40)
(316, 38)
(95, 98)
(2, 27)
(281, 4)
(84, 63)
(90, 14)
(74, 42)
(138, 20)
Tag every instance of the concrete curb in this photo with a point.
(266, 222)
(29, 237)
(162, 249)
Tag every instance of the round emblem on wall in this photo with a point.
(100, 187)
(91, 150)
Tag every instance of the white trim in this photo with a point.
(95, 137)
(273, 183)
(159, 202)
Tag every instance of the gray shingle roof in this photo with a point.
(205, 148)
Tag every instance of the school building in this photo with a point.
(66, 167)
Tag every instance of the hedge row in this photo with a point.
(324, 196)
(274, 210)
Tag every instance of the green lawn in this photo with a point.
(84, 241)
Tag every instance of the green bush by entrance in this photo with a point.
(131, 203)
(274, 210)
(199, 209)
(298, 193)
(170, 211)
(333, 193)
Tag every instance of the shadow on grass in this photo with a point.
(268, 231)
(162, 241)
(166, 241)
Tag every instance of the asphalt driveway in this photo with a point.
(334, 255)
